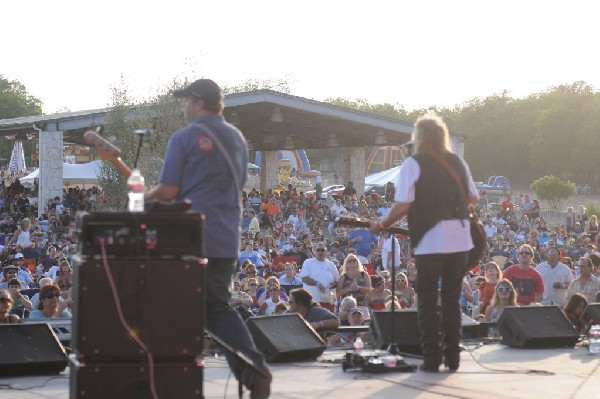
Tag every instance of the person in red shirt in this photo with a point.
(507, 204)
(271, 208)
(527, 281)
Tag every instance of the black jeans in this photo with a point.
(225, 322)
(440, 333)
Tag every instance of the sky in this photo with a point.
(417, 54)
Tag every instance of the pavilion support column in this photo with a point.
(51, 168)
(354, 162)
(269, 170)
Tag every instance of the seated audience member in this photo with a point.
(346, 304)
(263, 292)
(504, 295)
(249, 253)
(319, 318)
(354, 280)
(586, 283)
(574, 309)
(35, 299)
(466, 298)
(23, 274)
(289, 276)
(274, 297)
(6, 302)
(487, 289)
(64, 277)
(376, 298)
(251, 273)
(356, 318)
(405, 294)
(239, 298)
(50, 306)
(10, 272)
(527, 281)
(21, 302)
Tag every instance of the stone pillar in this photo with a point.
(355, 167)
(51, 168)
(269, 170)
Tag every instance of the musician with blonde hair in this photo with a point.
(434, 189)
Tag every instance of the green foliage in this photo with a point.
(15, 100)
(553, 190)
(280, 85)
(592, 209)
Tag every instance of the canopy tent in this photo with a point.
(381, 178)
(73, 173)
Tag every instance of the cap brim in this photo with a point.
(181, 93)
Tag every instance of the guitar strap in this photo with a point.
(206, 129)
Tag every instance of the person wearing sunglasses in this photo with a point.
(505, 295)
(527, 281)
(50, 306)
(354, 280)
(319, 275)
(11, 272)
(6, 302)
(21, 303)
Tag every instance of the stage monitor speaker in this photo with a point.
(132, 380)
(30, 349)
(590, 315)
(162, 301)
(536, 327)
(285, 338)
(406, 335)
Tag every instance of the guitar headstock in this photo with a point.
(107, 150)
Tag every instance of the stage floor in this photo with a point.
(486, 369)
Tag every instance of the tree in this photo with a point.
(553, 190)
(15, 101)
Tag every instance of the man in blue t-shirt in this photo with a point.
(363, 240)
(212, 178)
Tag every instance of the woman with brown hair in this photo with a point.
(378, 295)
(50, 306)
(64, 277)
(574, 308)
(6, 303)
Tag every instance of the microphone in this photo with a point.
(143, 132)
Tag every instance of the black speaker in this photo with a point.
(162, 301)
(536, 327)
(590, 315)
(407, 335)
(132, 380)
(30, 349)
(285, 338)
(143, 234)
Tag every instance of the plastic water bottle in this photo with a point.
(358, 344)
(135, 187)
(594, 337)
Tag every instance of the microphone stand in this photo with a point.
(141, 133)
(393, 346)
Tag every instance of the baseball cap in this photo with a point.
(10, 267)
(203, 89)
(18, 255)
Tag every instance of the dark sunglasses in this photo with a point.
(320, 249)
(504, 289)
(50, 296)
(5, 300)
(401, 280)
(252, 285)
(525, 253)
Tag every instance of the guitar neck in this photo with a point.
(344, 221)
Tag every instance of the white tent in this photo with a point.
(73, 173)
(381, 178)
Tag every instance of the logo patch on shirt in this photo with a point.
(205, 143)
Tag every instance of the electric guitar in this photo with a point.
(345, 221)
(107, 151)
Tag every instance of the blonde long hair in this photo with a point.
(431, 135)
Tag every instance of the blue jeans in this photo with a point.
(224, 321)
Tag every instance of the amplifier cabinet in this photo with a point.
(161, 301)
(142, 234)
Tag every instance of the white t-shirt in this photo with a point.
(323, 272)
(387, 247)
(447, 236)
